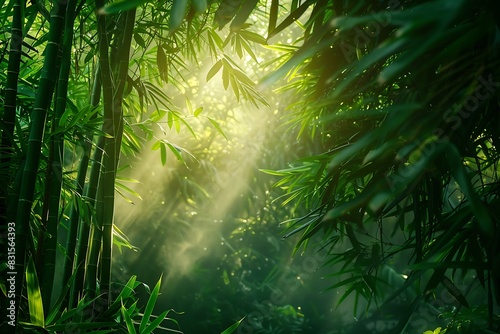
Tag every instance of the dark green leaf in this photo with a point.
(177, 13)
(120, 6)
(243, 13)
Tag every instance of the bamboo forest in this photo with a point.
(250, 166)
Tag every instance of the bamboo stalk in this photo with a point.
(92, 263)
(10, 98)
(81, 262)
(113, 151)
(107, 96)
(43, 99)
(78, 231)
(9, 109)
(50, 244)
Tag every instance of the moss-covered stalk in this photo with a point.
(43, 99)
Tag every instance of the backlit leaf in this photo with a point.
(35, 304)
(217, 66)
(217, 126)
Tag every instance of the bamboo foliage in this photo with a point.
(405, 103)
(59, 125)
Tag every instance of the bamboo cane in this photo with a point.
(9, 110)
(58, 149)
(43, 99)
(80, 231)
(113, 151)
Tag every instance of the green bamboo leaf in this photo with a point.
(35, 304)
(251, 36)
(249, 50)
(346, 294)
(62, 297)
(460, 175)
(139, 40)
(243, 13)
(88, 57)
(273, 172)
(128, 320)
(233, 327)
(198, 111)
(150, 306)
(126, 292)
(200, 6)
(170, 120)
(454, 291)
(189, 105)
(176, 151)
(177, 13)
(225, 77)
(120, 6)
(127, 189)
(217, 126)
(163, 153)
(294, 16)
(156, 323)
(161, 61)
(237, 46)
(234, 85)
(214, 69)
(273, 16)
(176, 119)
(83, 326)
(242, 77)
(190, 129)
(121, 240)
(127, 179)
(156, 145)
(226, 11)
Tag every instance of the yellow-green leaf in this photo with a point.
(217, 126)
(35, 304)
(198, 111)
(214, 69)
